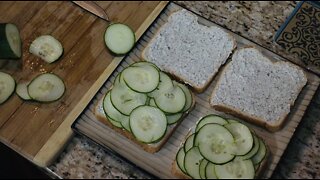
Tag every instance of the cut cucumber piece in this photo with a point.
(165, 84)
(254, 149)
(125, 100)
(7, 86)
(46, 88)
(141, 79)
(173, 118)
(233, 121)
(171, 100)
(210, 171)
(144, 63)
(202, 168)
(180, 159)
(119, 38)
(243, 138)
(236, 169)
(125, 123)
(192, 162)
(47, 48)
(111, 111)
(115, 123)
(260, 155)
(148, 124)
(215, 143)
(188, 95)
(189, 143)
(210, 119)
(22, 91)
(152, 103)
(256, 167)
(10, 42)
(117, 80)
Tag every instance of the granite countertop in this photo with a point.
(257, 21)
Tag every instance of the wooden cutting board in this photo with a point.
(39, 131)
(160, 163)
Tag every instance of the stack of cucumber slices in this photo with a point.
(219, 149)
(144, 101)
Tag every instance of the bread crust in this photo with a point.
(151, 148)
(197, 89)
(272, 127)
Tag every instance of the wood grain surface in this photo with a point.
(38, 131)
(160, 164)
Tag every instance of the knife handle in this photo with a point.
(93, 8)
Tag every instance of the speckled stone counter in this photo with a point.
(257, 21)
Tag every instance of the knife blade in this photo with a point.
(93, 8)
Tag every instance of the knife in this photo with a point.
(93, 8)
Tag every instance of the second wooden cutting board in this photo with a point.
(39, 131)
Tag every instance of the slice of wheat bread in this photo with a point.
(151, 148)
(257, 89)
(191, 52)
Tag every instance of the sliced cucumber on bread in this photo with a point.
(10, 41)
(220, 149)
(145, 101)
(7, 86)
(119, 38)
(47, 48)
(148, 124)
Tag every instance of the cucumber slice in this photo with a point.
(119, 38)
(125, 123)
(202, 168)
(47, 48)
(243, 138)
(152, 103)
(115, 123)
(215, 143)
(10, 42)
(188, 95)
(165, 84)
(189, 143)
(256, 166)
(46, 87)
(210, 171)
(111, 111)
(141, 79)
(22, 91)
(260, 155)
(192, 162)
(125, 100)
(254, 149)
(233, 121)
(172, 100)
(180, 159)
(144, 63)
(7, 86)
(173, 118)
(236, 169)
(117, 80)
(210, 119)
(148, 124)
